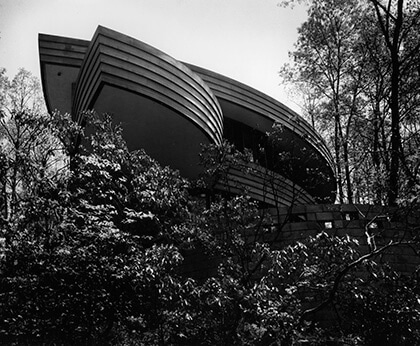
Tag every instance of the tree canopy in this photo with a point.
(357, 64)
(99, 253)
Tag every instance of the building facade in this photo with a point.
(170, 109)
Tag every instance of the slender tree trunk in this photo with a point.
(337, 161)
(375, 156)
(395, 132)
(392, 35)
(395, 107)
(347, 172)
(15, 172)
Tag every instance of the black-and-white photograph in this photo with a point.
(210, 172)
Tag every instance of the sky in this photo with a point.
(247, 40)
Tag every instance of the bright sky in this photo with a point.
(247, 40)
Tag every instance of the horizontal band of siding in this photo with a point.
(162, 57)
(273, 190)
(63, 40)
(270, 108)
(235, 91)
(162, 62)
(57, 50)
(104, 78)
(62, 50)
(141, 69)
(157, 83)
(243, 95)
(283, 189)
(362, 211)
(159, 61)
(105, 74)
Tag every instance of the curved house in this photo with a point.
(170, 108)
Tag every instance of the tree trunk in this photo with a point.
(392, 35)
(375, 156)
(395, 131)
(338, 163)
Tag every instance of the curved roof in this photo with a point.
(231, 90)
(170, 108)
(121, 61)
(259, 111)
(162, 106)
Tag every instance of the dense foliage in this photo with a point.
(98, 254)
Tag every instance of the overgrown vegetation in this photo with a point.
(97, 254)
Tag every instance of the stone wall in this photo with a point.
(382, 224)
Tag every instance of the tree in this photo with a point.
(323, 277)
(324, 59)
(99, 254)
(399, 22)
(28, 145)
(360, 62)
(93, 253)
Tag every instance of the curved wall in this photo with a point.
(60, 60)
(170, 109)
(244, 104)
(263, 185)
(118, 60)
